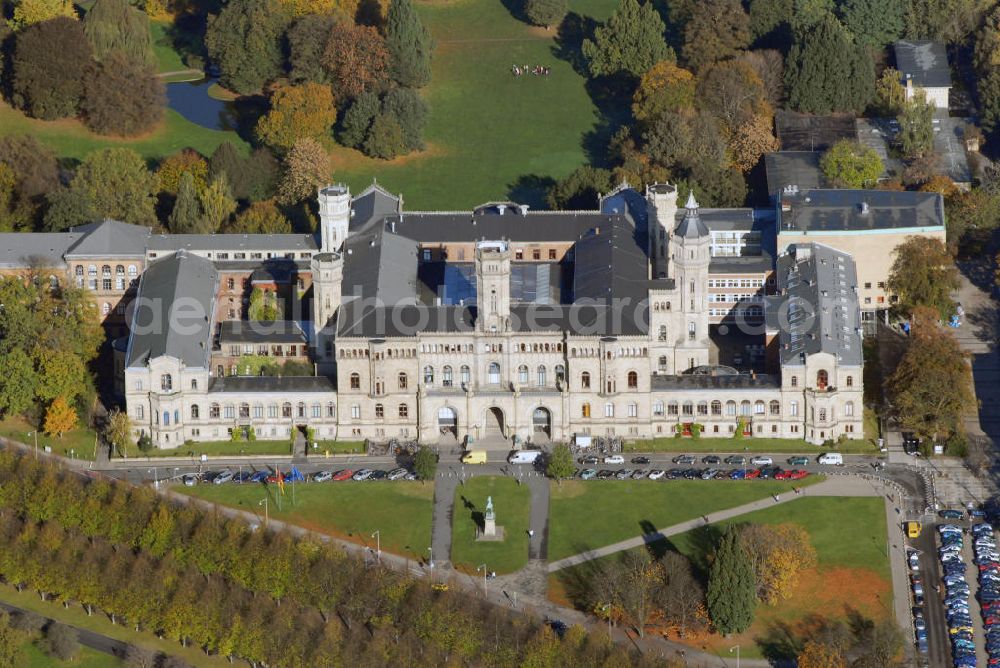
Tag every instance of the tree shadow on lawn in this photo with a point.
(530, 189)
(516, 9)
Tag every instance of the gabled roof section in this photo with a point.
(373, 203)
(174, 311)
(20, 250)
(817, 309)
(380, 265)
(925, 63)
(110, 238)
(609, 264)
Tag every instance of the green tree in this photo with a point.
(949, 21)
(115, 183)
(61, 641)
(118, 432)
(217, 203)
(358, 119)
(12, 643)
(580, 189)
(186, 216)
(30, 12)
(665, 87)
(263, 306)
(425, 463)
(18, 382)
(114, 25)
(61, 375)
(262, 218)
(307, 42)
(890, 96)
(546, 13)
(874, 23)
(122, 96)
(826, 71)
(848, 164)
(717, 30)
(385, 139)
(630, 41)
(971, 214)
(65, 209)
(35, 167)
(988, 87)
(244, 39)
(731, 597)
(923, 274)
(932, 361)
(409, 43)
(916, 128)
(560, 462)
(768, 18)
(252, 178)
(410, 111)
(47, 81)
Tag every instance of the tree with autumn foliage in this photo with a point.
(923, 273)
(665, 87)
(681, 599)
(261, 218)
(931, 388)
(297, 112)
(752, 139)
(118, 431)
(816, 654)
(356, 60)
(173, 167)
(778, 555)
(60, 417)
(717, 30)
(30, 12)
(733, 92)
(306, 168)
(631, 584)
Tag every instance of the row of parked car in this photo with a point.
(764, 473)
(829, 458)
(268, 476)
(987, 559)
(956, 599)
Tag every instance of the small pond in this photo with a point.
(191, 100)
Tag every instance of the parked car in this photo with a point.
(656, 474)
(798, 460)
(736, 460)
(589, 459)
(640, 460)
(378, 474)
(614, 459)
(761, 460)
(639, 474)
(398, 474)
(709, 474)
(323, 476)
(344, 474)
(712, 460)
(951, 514)
(362, 474)
(190, 480)
(797, 474)
(605, 474)
(737, 474)
(587, 474)
(622, 474)
(259, 476)
(684, 459)
(753, 474)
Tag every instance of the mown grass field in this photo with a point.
(86, 658)
(761, 445)
(80, 441)
(852, 575)
(401, 511)
(587, 514)
(512, 505)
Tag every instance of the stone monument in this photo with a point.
(490, 530)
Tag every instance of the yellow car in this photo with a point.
(913, 529)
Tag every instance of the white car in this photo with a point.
(761, 461)
(323, 476)
(397, 474)
(225, 476)
(656, 474)
(363, 474)
(614, 459)
(190, 480)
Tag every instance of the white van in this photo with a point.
(524, 457)
(832, 458)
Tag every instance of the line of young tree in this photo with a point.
(212, 582)
(100, 69)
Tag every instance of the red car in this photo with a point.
(273, 478)
(343, 475)
(783, 475)
(797, 474)
(753, 473)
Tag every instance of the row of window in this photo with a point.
(736, 282)
(245, 411)
(822, 380)
(716, 408)
(118, 280)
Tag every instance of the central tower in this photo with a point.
(493, 286)
(334, 217)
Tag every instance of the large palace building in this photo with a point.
(638, 319)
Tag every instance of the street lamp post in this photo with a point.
(263, 502)
(737, 648)
(378, 546)
(156, 481)
(35, 434)
(431, 563)
(482, 567)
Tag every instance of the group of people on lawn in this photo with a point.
(518, 70)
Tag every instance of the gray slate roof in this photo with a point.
(925, 61)
(21, 249)
(110, 238)
(174, 313)
(805, 132)
(817, 308)
(691, 225)
(793, 168)
(259, 331)
(843, 210)
(272, 384)
(488, 224)
(380, 265)
(372, 204)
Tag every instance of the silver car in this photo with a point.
(363, 474)
(397, 474)
(323, 476)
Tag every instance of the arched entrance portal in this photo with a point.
(448, 422)
(494, 423)
(541, 421)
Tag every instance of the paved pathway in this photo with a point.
(839, 486)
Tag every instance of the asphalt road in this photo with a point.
(938, 644)
(87, 638)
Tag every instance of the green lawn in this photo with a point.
(853, 573)
(512, 504)
(87, 658)
(262, 447)
(765, 445)
(584, 515)
(99, 623)
(490, 135)
(400, 511)
(80, 441)
(70, 139)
